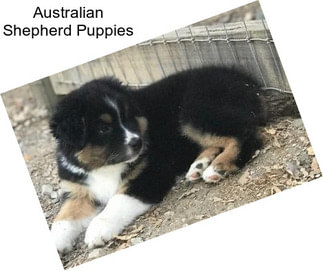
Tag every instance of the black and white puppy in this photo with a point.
(119, 150)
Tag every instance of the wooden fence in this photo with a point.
(245, 45)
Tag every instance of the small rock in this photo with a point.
(46, 189)
(60, 192)
(96, 253)
(169, 213)
(292, 169)
(19, 117)
(298, 123)
(54, 195)
(48, 214)
(315, 166)
(40, 112)
(47, 173)
(136, 240)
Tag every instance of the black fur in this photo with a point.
(215, 100)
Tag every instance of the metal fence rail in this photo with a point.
(245, 45)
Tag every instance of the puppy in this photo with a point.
(119, 150)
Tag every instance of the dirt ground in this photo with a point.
(286, 160)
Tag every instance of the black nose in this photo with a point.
(135, 143)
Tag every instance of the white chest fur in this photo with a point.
(105, 181)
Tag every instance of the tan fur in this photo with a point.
(106, 118)
(79, 204)
(210, 153)
(212, 145)
(225, 160)
(123, 188)
(143, 124)
(92, 156)
(134, 173)
(207, 140)
(137, 170)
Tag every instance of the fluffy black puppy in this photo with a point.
(119, 150)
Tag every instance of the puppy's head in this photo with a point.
(99, 124)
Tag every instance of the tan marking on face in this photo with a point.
(79, 204)
(207, 140)
(143, 124)
(134, 173)
(106, 118)
(92, 156)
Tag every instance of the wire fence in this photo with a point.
(244, 45)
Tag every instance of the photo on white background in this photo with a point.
(163, 134)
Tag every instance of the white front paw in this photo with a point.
(196, 169)
(64, 234)
(99, 232)
(211, 175)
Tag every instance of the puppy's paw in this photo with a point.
(64, 234)
(213, 175)
(197, 168)
(98, 232)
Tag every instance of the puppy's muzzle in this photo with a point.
(135, 143)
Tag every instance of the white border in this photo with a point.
(279, 232)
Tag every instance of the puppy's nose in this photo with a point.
(135, 143)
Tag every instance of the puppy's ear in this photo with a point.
(69, 126)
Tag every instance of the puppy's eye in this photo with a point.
(104, 129)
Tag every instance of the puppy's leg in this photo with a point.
(120, 211)
(223, 164)
(74, 216)
(201, 163)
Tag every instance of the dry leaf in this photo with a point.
(304, 139)
(255, 154)
(276, 143)
(305, 173)
(310, 151)
(271, 131)
(126, 237)
(122, 246)
(315, 166)
(266, 149)
(158, 223)
(187, 193)
(228, 201)
(274, 190)
(137, 230)
(27, 158)
(216, 199)
(244, 178)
